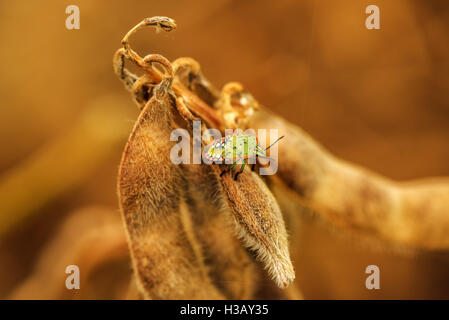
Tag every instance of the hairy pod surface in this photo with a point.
(229, 265)
(260, 224)
(151, 188)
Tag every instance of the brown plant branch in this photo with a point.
(88, 238)
(356, 199)
(414, 213)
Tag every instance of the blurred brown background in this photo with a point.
(378, 98)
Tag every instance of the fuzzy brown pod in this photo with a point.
(167, 262)
(260, 224)
(231, 267)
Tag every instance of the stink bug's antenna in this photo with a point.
(274, 143)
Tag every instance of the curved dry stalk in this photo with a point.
(88, 238)
(357, 199)
(411, 213)
(160, 23)
(194, 80)
(188, 64)
(236, 106)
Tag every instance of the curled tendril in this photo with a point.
(142, 87)
(132, 82)
(160, 23)
(127, 77)
(187, 63)
(236, 113)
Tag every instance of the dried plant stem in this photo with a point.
(413, 213)
(193, 102)
(88, 238)
(356, 199)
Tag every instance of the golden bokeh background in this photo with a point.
(378, 98)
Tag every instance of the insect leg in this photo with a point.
(228, 168)
(274, 142)
(253, 166)
(241, 169)
(232, 165)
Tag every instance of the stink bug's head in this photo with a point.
(216, 151)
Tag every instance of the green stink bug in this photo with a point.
(237, 148)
